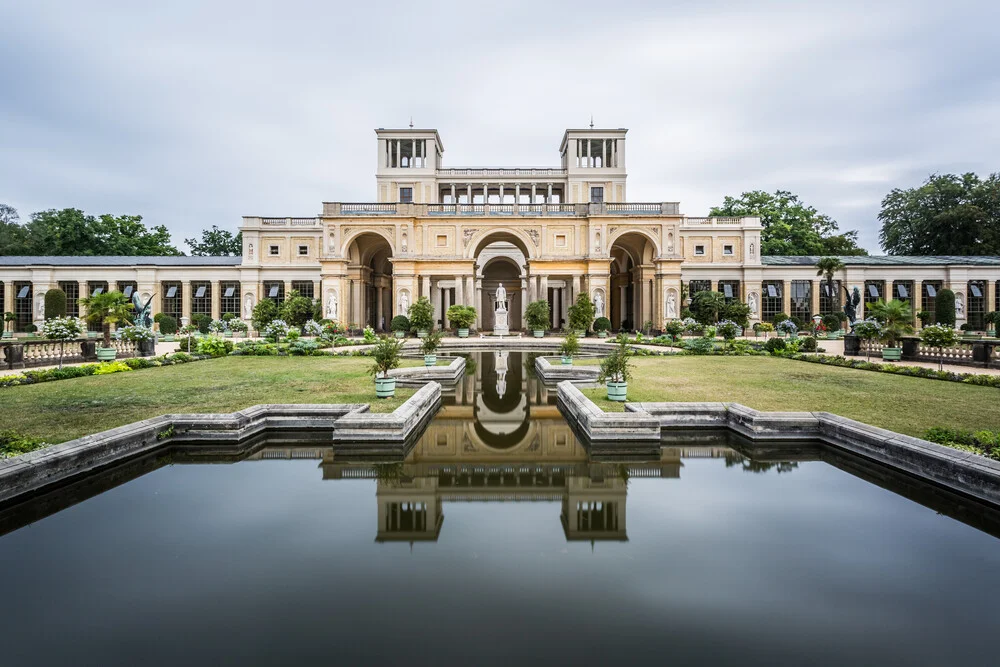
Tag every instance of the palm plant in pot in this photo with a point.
(616, 370)
(570, 346)
(602, 326)
(462, 317)
(9, 319)
(429, 347)
(107, 308)
(537, 315)
(400, 325)
(992, 320)
(386, 355)
(895, 317)
(421, 314)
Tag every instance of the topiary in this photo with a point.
(400, 323)
(55, 304)
(168, 325)
(602, 324)
(944, 307)
(202, 321)
(773, 345)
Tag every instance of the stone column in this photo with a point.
(576, 289)
(186, 300)
(426, 286)
(786, 297)
(216, 300)
(460, 290)
(454, 197)
(81, 293)
(817, 285)
(288, 288)
(917, 300)
(543, 288)
(479, 303)
(524, 301)
(379, 306)
(990, 294)
(468, 193)
(548, 197)
(357, 305)
(623, 306)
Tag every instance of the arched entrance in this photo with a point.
(501, 258)
(631, 281)
(369, 275)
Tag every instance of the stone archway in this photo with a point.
(500, 270)
(631, 299)
(369, 300)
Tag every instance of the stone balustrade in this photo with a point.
(346, 209)
(32, 354)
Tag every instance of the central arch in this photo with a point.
(369, 274)
(501, 258)
(631, 288)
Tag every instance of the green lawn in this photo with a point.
(903, 404)
(66, 409)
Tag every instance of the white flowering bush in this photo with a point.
(313, 328)
(728, 329)
(868, 329)
(134, 333)
(217, 326)
(692, 327)
(63, 329)
(369, 335)
(276, 330)
(238, 326)
(787, 326)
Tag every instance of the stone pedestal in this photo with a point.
(501, 326)
(852, 345)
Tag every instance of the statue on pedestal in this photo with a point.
(599, 303)
(501, 323)
(143, 313)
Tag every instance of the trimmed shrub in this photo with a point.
(55, 304)
(944, 307)
(214, 346)
(168, 325)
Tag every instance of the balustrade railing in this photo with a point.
(501, 171)
(285, 222)
(32, 354)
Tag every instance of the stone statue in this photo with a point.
(851, 307)
(752, 303)
(959, 305)
(751, 249)
(331, 305)
(599, 303)
(404, 302)
(248, 306)
(404, 242)
(143, 313)
(501, 324)
(250, 252)
(41, 307)
(671, 305)
(670, 242)
(597, 242)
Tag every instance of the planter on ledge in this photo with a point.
(892, 353)
(147, 348)
(580, 333)
(617, 391)
(463, 333)
(422, 333)
(430, 359)
(567, 361)
(538, 333)
(399, 334)
(385, 387)
(106, 353)
(602, 334)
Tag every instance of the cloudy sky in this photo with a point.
(196, 113)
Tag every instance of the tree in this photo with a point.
(55, 303)
(828, 268)
(895, 316)
(216, 242)
(939, 336)
(947, 215)
(62, 329)
(581, 313)
(72, 232)
(737, 311)
(296, 309)
(263, 314)
(106, 309)
(944, 307)
(790, 227)
(706, 306)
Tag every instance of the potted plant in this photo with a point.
(218, 327)
(895, 317)
(9, 319)
(868, 330)
(386, 356)
(939, 336)
(729, 330)
(832, 324)
(144, 339)
(168, 326)
(429, 346)
(616, 370)
(581, 314)
(538, 317)
(787, 327)
(766, 327)
(602, 326)
(462, 317)
(926, 317)
(569, 347)
(62, 329)
(776, 320)
(992, 320)
(188, 331)
(400, 325)
(421, 316)
(276, 330)
(107, 308)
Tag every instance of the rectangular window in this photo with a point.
(597, 195)
(976, 311)
(699, 250)
(406, 195)
(230, 298)
(874, 291)
(172, 301)
(275, 291)
(273, 250)
(829, 302)
(304, 287)
(903, 290)
(801, 305)
(727, 250)
(771, 303)
(928, 298)
(72, 290)
(303, 250)
(695, 286)
(730, 289)
(127, 287)
(22, 305)
(201, 300)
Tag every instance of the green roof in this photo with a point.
(885, 260)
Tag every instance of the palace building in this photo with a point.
(454, 234)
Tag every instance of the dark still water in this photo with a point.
(499, 540)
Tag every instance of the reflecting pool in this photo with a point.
(500, 539)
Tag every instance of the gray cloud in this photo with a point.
(194, 114)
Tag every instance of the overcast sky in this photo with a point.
(196, 113)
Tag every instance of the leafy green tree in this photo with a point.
(827, 268)
(107, 308)
(296, 309)
(216, 242)
(581, 313)
(706, 306)
(737, 311)
(70, 231)
(895, 316)
(790, 227)
(939, 336)
(263, 314)
(947, 215)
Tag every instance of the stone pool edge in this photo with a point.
(960, 471)
(350, 424)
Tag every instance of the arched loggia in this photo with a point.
(370, 281)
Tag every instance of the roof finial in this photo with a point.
(592, 121)
(411, 122)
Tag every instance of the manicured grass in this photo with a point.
(903, 404)
(67, 409)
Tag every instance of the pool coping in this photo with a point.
(350, 425)
(967, 473)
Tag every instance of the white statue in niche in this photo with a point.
(751, 249)
(248, 306)
(250, 252)
(501, 325)
(671, 305)
(752, 302)
(959, 305)
(597, 242)
(331, 305)
(670, 242)
(403, 244)
(404, 302)
(599, 303)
